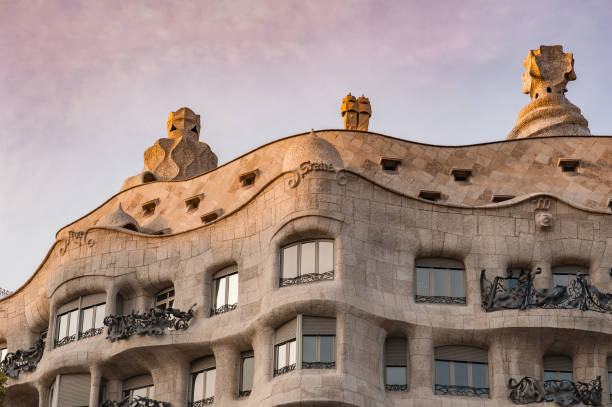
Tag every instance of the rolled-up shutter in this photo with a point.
(441, 263)
(286, 332)
(93, 299)
(396, 352)
(318, 326)
(461, 354)
(558, 363)
(69, 306)
(73, 390)
(137, 382)
(204, 363)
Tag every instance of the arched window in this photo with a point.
(203, 375)
(558, 367)
(165, 298)
(80, 318)
(564, 275)
(461, 371)
(139, 387)
(440, 281)
(396, 363)
(225, 290)
(307, 261)
(247, 370)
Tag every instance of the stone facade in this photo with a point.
(330, 184)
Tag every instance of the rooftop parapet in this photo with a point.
(547, 71)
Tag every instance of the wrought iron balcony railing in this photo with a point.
(223, 309)
(563, 392)
(318, 365)
(307, 278)
(203, 402)
(23, 360)
(283, 370)
(81, 335)
(436, 299)
(454, 390)
(498, 295)
(135, 402)
(152, 322)
(244, 393)
(396, 387)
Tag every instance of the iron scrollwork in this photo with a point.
(563, 392)
(224, 308)
(152, 322)
(462, 390)
(435, 299)
(244, 393)
(396, 387)
(318, 365)
(579, 294)
(283, 370)
(307, 278)
(135, 402)
(23, 360)
(203, 402)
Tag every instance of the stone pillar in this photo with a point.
(95, 374)
(227, 358)
(263, 349)
(42, 394)
(421, 361)
(114, 388)
(51, 330)
(111, 300)
(172, 381)
(499, 372)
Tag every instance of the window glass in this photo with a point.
(456, 283)
(221, 291)
(511, 282)
(292, 353)
(3, 353)
(396, 375)
(198, 387)
(248, 370)
(327, 349)
(87, 319)
(290, 261)
(565, 376)
(443, 372)
(63, 326)
(548, 375)
(308, 258)
(232, 295)
(73, 320)
(281, 356)
(560, 279)
(326, 256)
(440, 283)
(423, 282)
(100, 313)
(210, 383)
(479, 375)
(309, 349)
(461, 373)
(140, 392)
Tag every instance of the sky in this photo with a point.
(86, 86)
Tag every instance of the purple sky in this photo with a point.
(87, 86)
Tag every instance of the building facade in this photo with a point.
(335, 267)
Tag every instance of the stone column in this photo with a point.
(227, 358)
(111, 300)
(263, 349)
(114, 388)
(42, 394)
(499, 372)
(95, 374)
(421, 361)
(51, 330)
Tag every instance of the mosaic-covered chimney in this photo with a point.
(356, 112)
(179, 156)
(547, 71)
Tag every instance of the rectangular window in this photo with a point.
(80, 318)
(440, 284)
(307, 261)
(318, 351)
(3, 352)
(461, 371)
(67, 327)
(247, 370)
(225, 293)
(203, 386)
(92, 320)
(165, 298)
(285, 357)
(396, 361)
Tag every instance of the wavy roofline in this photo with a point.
(509, 203)
(308, 132)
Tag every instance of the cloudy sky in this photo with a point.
(86, 87)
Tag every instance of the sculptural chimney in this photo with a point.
(356, 112)
(547, 71)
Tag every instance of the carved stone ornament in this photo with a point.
(543, 220)
(308, 166)
(135, 402)
(23, 360)
(563, 392)
(152, 322)
(356, 112)
(78, 238)
(547, 71)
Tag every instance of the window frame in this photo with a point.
(395, 387)
(287, 367)
(317, 363)
(439, 299)
(94, 330)
(130, 392)
(470, 376)
(168, 301)
(244, 356)
(557, 372)
(226, 273)
(3, 352)
(192, 382)
(568, 270)
(64, 338)
(317, 275)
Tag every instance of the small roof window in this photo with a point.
(193, 203)
(148, 208)
(501, 198)
(248, 178)
(211, 216)
(390, 164)
(569, 164)
(430, 195)
(461, 174)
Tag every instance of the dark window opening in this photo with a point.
(569, 164)
(430, 195)
(130, 226)
(172, 128)
(209, 217)
(195, 130)
(461, 174)
(148, 208)
(501, 198)
(148, 177)
(248, 178)
(390, 164)
(548, 90)
(192, 203)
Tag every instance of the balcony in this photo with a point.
(563, 392)
(152, 322)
